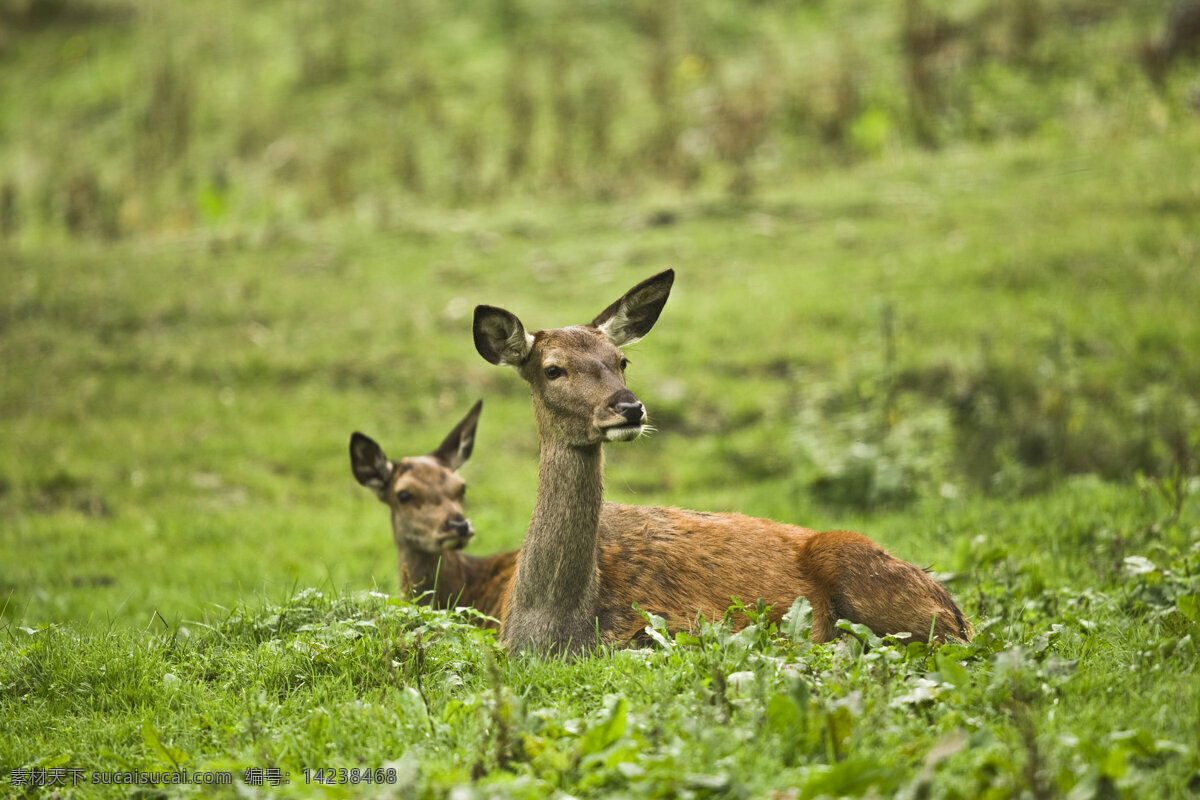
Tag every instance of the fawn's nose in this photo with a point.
(459, 525)
(632, 411)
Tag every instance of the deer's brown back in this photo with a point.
(679, 564)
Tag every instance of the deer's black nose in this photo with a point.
(631, 411)
(459, 525)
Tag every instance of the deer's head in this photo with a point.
(577, 374)
(424, 493)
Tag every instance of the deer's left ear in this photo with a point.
(630, 318)
(500, 337)
(454, 451)
(370, 466)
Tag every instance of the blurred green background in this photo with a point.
(124, 119)
(937, 267)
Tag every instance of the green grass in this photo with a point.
(175, 473)
(321, 681)
(980, 353)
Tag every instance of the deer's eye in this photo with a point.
(554, 372)
(624, 364)
(404, 495)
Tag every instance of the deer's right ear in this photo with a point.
(632, 317)
(370, 466)
(500, 337)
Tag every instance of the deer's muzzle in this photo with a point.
(625, 419)
(456, 533)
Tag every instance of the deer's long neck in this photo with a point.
(553, 597)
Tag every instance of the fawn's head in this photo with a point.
(423, 492)
(577, 374)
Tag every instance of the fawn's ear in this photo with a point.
(632, 317)
(454, 451)
(500, 337)
(370, 466)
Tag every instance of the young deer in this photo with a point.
(584, 562)
(426, 499)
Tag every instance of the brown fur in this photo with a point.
(585, 563)
(475, 581)
(680, 564)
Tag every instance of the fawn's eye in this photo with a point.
(624, 364)
(404, 495)
(553, 372)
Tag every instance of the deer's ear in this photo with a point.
(370, 466)
(500, 337)
(454, 451)
(632, 317)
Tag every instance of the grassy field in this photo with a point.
(974, 342)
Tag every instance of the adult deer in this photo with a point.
(584, 562)
(425, 496)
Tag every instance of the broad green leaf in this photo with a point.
(607, 731)
(1189, 606)
(950, 671)
(797, 620)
